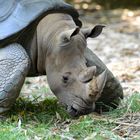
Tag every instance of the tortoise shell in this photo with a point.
(16, 15)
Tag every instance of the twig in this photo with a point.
(127, 124)
(116, 128)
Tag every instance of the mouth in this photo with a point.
(76, 111)
(72, 111)
(78, 107)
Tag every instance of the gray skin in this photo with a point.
(57, 48)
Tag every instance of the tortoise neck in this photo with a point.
(48, 31)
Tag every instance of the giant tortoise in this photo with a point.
(46, 37)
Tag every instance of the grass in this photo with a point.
(47, 120)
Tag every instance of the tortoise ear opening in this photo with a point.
(66, 36)
(92, 32)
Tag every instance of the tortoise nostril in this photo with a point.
(72, 111)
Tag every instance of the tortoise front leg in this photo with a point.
(14, 66)
(112, 92)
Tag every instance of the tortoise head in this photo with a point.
(68, 76)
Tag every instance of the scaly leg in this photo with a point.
(14, 66)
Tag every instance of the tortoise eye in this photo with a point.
(65, 79)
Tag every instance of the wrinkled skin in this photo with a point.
(61, 48)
